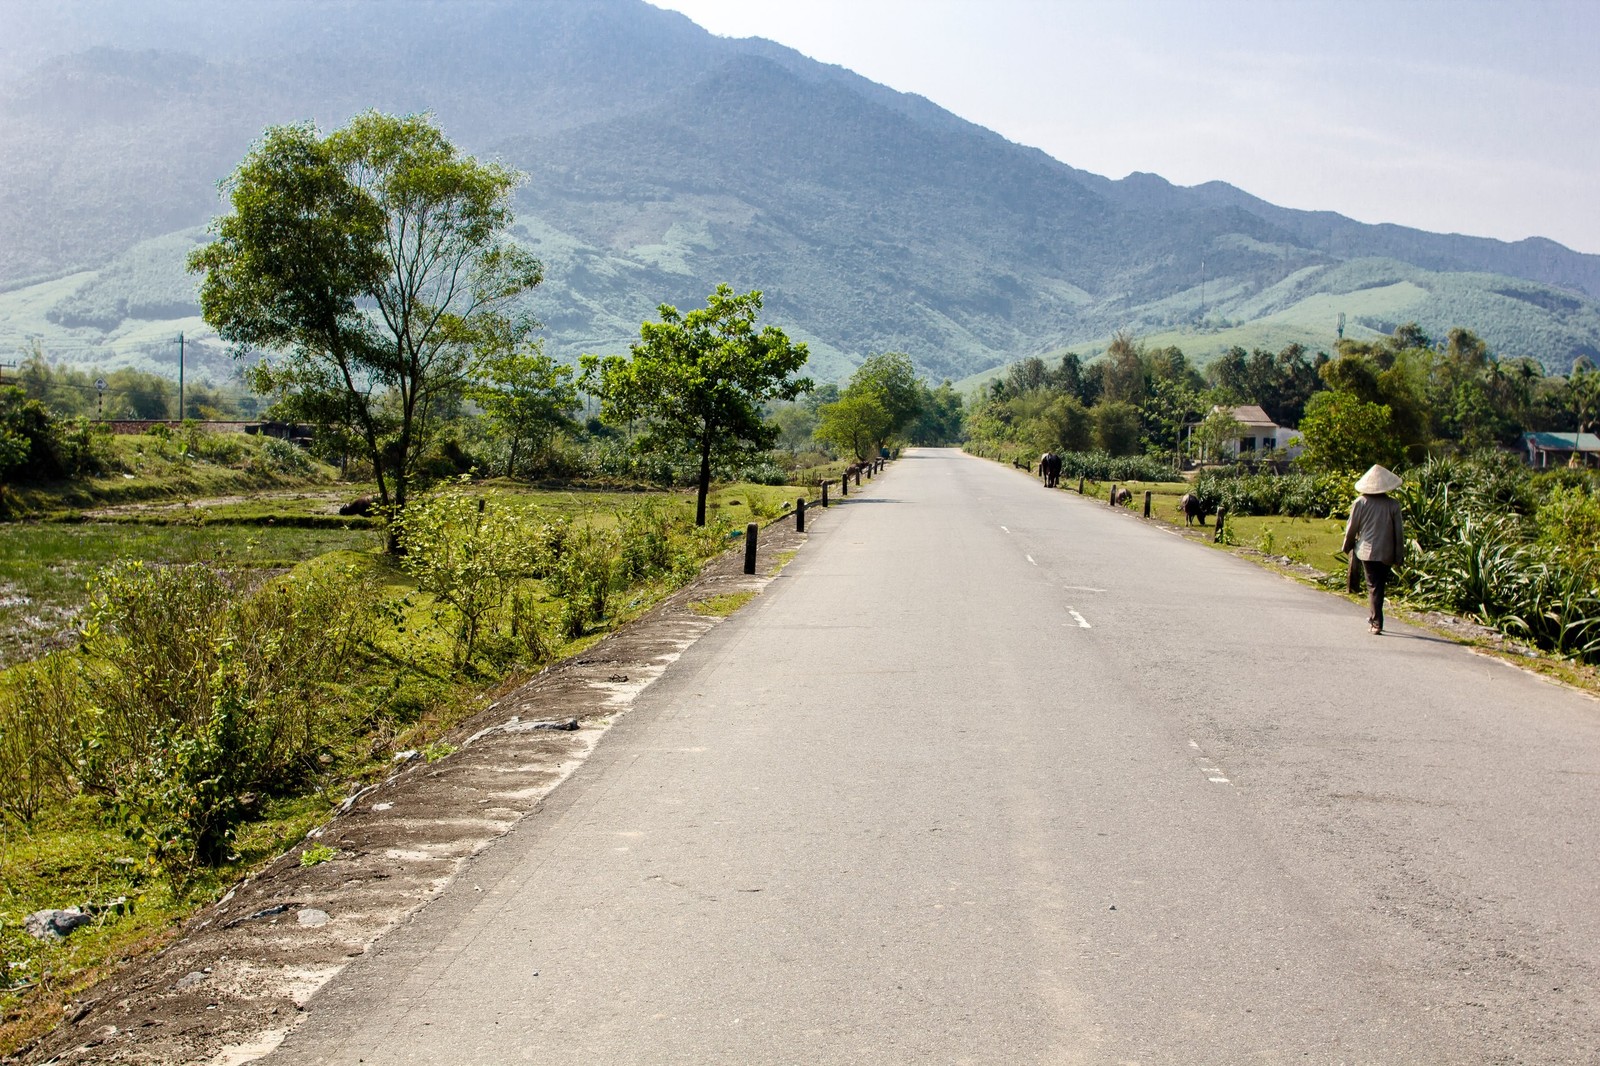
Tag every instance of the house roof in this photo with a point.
(1252, 415)
(1564, 442)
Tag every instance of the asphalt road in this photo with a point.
(993, 774)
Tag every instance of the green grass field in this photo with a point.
(1314, 542)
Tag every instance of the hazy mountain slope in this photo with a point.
(663, 160)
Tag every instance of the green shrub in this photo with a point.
(278, 456)
(38, 737)
(1294, 495)
(467, 554)
(196, 698)
(1569, 520)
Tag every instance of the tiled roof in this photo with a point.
(1252, 415)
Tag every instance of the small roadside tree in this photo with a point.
(697, 381)
(374, 262)
(856, 423)
(527, 396)
(1216, 431)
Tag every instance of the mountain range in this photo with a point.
(662, 160)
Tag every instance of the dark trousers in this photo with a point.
(1377, 581)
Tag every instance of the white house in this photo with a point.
(1260, 434)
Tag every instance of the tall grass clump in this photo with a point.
(184, 705)
(1483, 544)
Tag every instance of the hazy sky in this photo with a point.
(1458, 116)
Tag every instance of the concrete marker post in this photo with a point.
(1113, 499)
(824, 492)
(1222, 516)
(1147, 494)
(750, 532)
(800, 515)
(1080, 486)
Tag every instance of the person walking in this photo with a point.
(1375, 536)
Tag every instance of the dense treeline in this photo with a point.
(1397, 400)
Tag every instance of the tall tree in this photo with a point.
(1123, 371)
(373, 263)
(698, 381)
(896, 379)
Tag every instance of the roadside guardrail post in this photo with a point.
(800, 515)
(750, 532)
(1113, 500)
(1222, 516)
(844, 484)
(824, 492)
(1147, 494)
(1080, 486)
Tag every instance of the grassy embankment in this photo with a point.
(1313, 542)
(406, 689)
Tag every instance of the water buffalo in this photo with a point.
(1121, 497)
(361, 505)
(1050, 469)
(1192, 509)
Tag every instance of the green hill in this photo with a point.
(662, 161)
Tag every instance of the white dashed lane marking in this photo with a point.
(1214, 774)
(1083, 623)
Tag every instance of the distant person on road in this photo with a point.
(1374, 536)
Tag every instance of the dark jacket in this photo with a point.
(1375, 530)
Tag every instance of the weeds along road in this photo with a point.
(997, 775)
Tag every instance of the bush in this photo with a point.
(278, 456)
(467, 555)
(1100, 466)
(1473, 552)
(194, 699)
(38, 737)
(1294, 495)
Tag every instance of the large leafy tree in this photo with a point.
(895, 380)
(697, 381)
(371, 263)
(1343, 432)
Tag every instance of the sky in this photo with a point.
(1456, 116)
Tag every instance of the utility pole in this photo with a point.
(180, 375)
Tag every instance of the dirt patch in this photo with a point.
(327, 502)
(232, 983)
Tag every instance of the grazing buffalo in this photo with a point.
(1192, 509)
(361, 505)
(1050, 469)
(1121, 497)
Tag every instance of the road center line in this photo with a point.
(1081, 588)
(1030, 559)
(1082, 622)
(1003, 529)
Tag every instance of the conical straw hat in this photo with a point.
(1378, 479)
